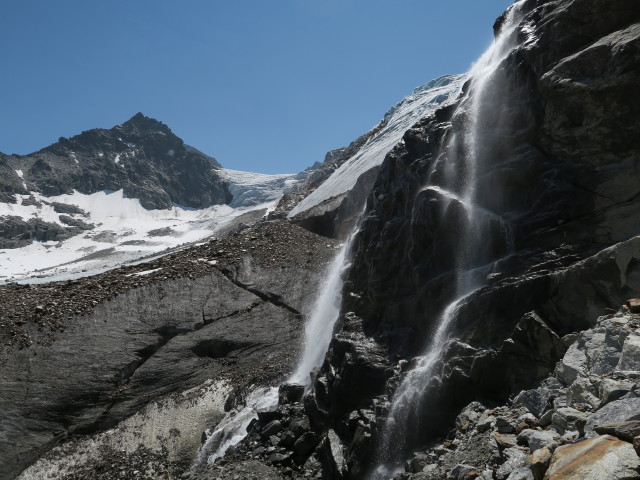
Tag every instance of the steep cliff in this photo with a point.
(557, 182)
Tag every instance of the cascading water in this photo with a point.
(319, 328)
(482, 237)
(318, 332)
(233, 427)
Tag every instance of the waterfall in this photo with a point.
(319, 327)
(318, 333)
(233, 427)
(482, 237)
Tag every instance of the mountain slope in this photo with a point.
(142, 157)
(109, 197)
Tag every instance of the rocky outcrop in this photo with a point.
(549, 432)
(16, 232)
(323, 219)
(81, 357)
(141, 156)
(563, 429)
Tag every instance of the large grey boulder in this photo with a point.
(594, 459)
(621, 410)
(536, 439)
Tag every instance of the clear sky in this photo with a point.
(262, 85)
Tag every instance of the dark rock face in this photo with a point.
(558, 168)
(142, 156)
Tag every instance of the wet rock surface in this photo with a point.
(538, 448)
(559, 187)
(81, 356)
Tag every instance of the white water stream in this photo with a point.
(319, 327)
(466, 158)
(318, 333)
(233, 427)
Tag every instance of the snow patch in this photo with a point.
(144, 272)
(21, 175)
(117, 159)
(121, 235)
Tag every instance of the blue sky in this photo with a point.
(262, 85)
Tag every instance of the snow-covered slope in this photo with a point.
(123, 232)
(397, 121)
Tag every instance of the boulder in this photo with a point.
(521, 473)
(633, 304)
(582, 391)
(567, 418)
(615, 412)
(306, 444)
(515, 459)
(610, 389)
(630, 356)
(331, 456)
(537, 401)
(596, 458)
(290, 393)
(539, 461)
(463, 472)
(573, 363)
(272, 428)
(539, 439)
(478, 449)
(624, 430)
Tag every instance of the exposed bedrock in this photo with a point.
(556, 205)
(240, 324)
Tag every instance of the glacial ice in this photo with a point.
(423, 101)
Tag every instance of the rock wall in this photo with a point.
(559, 168)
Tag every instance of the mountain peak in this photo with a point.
(142, 122)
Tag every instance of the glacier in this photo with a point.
(423, 101)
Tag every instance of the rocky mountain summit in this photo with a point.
(143, 157)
